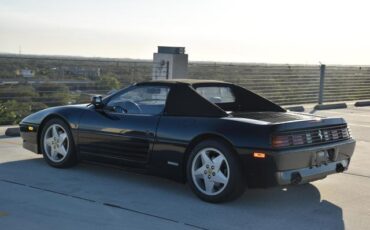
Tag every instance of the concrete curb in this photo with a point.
(362, 103)
(295, 108)
(331, 106)
(12, 132)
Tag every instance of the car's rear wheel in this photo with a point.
(214, 172)
(57, 144)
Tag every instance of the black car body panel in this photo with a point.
(160, 144)
(126, 137)
(70, 114)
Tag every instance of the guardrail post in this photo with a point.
(134, 75)
(322, 80)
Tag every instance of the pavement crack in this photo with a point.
(355, 174)
(194, 226)
(139, 212)
(151, 215)
(105, 204)
(13, 182)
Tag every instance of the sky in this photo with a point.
(263, 31)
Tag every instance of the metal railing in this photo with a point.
(292, 84)
(59, 81)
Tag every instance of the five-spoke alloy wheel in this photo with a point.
(214, 172)
(210, 171)
(57, 144)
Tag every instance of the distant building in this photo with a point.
(80, 72)
(170, 63)
(25, 73)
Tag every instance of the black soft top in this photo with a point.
(183, 100)
(181, 81)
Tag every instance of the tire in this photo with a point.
(57, 145)
(218, 178)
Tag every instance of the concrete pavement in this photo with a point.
(36, 196)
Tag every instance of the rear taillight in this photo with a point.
(298, 139)
(310, 137)
(288, 140)
(346, 133)
(280, 141)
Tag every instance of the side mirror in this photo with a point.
(97, 101)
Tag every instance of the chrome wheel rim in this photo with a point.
(56, 143)
(210, 171)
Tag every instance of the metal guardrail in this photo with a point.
(292, 84)
(53, 83)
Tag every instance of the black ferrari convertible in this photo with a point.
(217, 136)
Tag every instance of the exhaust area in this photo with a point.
(340, 168)
(296, 178)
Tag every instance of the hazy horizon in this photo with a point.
(288, 32)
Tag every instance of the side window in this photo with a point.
(141, 100)
(216, 94)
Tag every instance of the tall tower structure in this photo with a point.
(170, 63)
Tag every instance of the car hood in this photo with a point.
(68, 112)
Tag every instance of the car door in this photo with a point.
(125, 129)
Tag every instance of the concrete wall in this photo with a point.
(177, 66)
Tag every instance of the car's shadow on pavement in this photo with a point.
(8, 137)
(295, 207)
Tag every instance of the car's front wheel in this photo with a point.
(57, 144)
(214, 173)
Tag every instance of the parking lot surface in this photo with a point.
(35, 196)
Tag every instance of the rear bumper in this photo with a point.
(304, 157)
(304, 175)
(295, 166)
(301, 165)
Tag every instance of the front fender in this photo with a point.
(31, 126)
